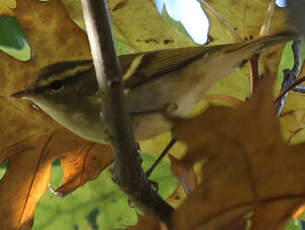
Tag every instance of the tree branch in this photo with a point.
(128, 173)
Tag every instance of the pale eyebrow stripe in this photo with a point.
(66, 74)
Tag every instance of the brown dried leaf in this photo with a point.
(53, 37)
(30, 140)
(148, 223)
(28, 174)
(249, 167)
(84, 165)
(185, 174)
(23, 185)
(177, 198)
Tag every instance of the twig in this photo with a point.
(289, 77)
(161, 156)
(128, 173)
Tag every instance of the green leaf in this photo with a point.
(293, 225)
(292, 121)
(99, 204)
(13, 39)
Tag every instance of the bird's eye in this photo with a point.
(56, 85)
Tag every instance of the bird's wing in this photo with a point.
(160, 62)
(184, 85)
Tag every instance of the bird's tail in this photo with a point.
(257, 45)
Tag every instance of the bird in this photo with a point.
(162, 83)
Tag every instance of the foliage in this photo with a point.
(250, 170)
(245, 175)
(99, 203)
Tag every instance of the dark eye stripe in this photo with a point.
(68, 81)
(56, 85)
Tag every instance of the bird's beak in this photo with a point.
(23, 93)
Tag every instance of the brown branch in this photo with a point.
(128, 173)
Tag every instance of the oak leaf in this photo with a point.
(30, 140)
(245, 18)
(148, 223)
(6, 7)
(185, 174)
(146, 30)
(249, 168)
(31, 145)
(82, 165)
(28, 173)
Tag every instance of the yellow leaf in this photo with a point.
(6, 7)
(136, 24)
(30, 140)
